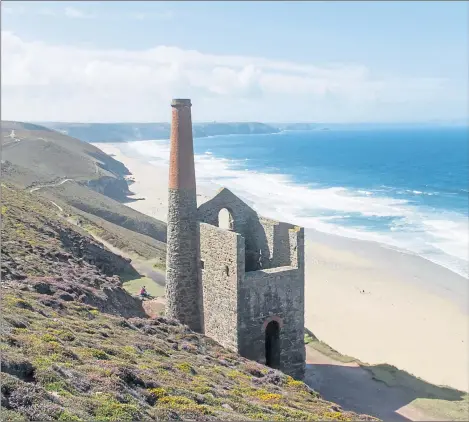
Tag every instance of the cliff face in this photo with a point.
(77, 347)
(110, 186)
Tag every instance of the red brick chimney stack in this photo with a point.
(181, 161)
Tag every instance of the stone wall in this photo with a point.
(273, 236)
(183, 289)
(222, 266)
(240, 212)
(273, 294)
(258, 232)
(265, 281)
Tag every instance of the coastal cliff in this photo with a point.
(124, 132)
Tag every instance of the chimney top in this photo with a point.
(181, 102)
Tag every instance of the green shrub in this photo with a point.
(69, 417)
(308, 339)
(108, 409)
(95, 353)
(185, 367)
(185, 405)
(158, 393)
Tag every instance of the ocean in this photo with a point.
(404, 187)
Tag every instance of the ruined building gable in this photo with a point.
(268, 243)
(240, 212)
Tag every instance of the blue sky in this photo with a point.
(267, 61)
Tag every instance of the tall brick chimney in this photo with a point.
(183, 291)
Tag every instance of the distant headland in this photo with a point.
(124, 132)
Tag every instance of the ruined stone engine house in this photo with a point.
(240, 280)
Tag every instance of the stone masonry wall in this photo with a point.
(268, 284)
(275, 235)
(275, 293)
(222, 254)
(241, 212)
(259, 238)
(183, 290)
(283, 245)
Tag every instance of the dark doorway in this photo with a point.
(272, 345)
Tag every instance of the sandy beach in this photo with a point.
(365, 300)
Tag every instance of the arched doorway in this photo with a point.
(272, 345)
(225, 219)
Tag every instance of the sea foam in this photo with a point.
(441, 237)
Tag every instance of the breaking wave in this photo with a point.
(373, 215)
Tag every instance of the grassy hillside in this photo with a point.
(77, 347)
(94, 203)
(80, 177)
(50, 153)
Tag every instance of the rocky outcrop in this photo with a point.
(103, 293)
(117, 189)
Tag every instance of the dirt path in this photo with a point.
(353, 388)
(144, 268)
(36, 188)
(57, 206)
(12, 139)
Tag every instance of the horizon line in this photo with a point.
(427, 122)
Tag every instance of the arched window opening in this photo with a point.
(225, 219)
(272, 345)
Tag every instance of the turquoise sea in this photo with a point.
(404, 187)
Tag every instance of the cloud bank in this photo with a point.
(43, 82)
(83, 13)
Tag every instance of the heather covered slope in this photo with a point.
(75, 346)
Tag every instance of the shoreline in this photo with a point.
(365, 300)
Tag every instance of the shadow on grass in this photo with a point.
(130, 274)
(381, 390)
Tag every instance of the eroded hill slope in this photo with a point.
(75, 346)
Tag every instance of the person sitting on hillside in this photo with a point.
(144, 293)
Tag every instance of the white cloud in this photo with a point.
(12, 10)
(72, 12)
(46, 12)
(53, 82)
(152, 15)
(76, 13)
